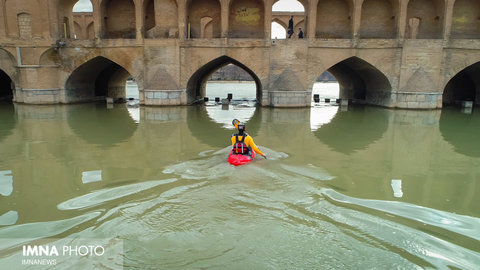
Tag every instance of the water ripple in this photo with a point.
(108, 194)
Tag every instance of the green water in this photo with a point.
(356, 188)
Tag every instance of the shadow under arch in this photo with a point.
(6, 87)
(8, 119)
(99, 125)
(355, 129)
(361, 81)
(97, 78)
(197, 82)
(214, 134)
(464, 86)
(461, 130)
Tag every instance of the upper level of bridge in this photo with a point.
(27, 22)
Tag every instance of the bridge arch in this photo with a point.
(464, 86)
(425, 19)
(8, 76)
(96, 79)
(197, 82)
(334, 19)
(361, 81)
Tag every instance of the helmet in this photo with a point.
(241, 127)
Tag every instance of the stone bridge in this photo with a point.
(392, 53)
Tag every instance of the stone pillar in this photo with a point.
(182, 19)
(97, 19)
(3, 19)
(357, 14)
(268, 18)
(224, 12)
(447, 22)
(312, 19)
(402, 19)
(139, 20)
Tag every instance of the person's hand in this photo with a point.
(264, 156)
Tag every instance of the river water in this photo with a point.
(342, 188)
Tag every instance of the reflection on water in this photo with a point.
(354, 129)
(101, 125)
(461, 130)
(225, 114)
(398, 187)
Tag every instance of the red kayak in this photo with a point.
(240, 159)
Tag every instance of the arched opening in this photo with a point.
(326, 88)
(378, 19)
(466, 19)
(197, 85)
(464, 86)
(291, 15)
(361, 82)
(119, 19)
(278, 31)
(197, 26)
(99, 79)
(161, 19)
(425, 19)
(334, 19)
(246, 19)
(83, 20)
(231, 79)
(6, 87)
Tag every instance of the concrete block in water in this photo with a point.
(467, 104)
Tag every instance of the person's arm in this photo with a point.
(233, 140)
(249, 141)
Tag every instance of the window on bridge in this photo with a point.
(334, 19)
(463, 87)
(119, 19)
(204, 19)
(6, 92)
(378, 19)
(466, 14)
(425, 19)
(161, 19)
(282, 12)
(83, 20)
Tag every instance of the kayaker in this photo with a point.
(242, 139)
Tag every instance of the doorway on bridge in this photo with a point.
(6, 86)
(83, 20)
(462, 89)
(288, 17)
(231, 80)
